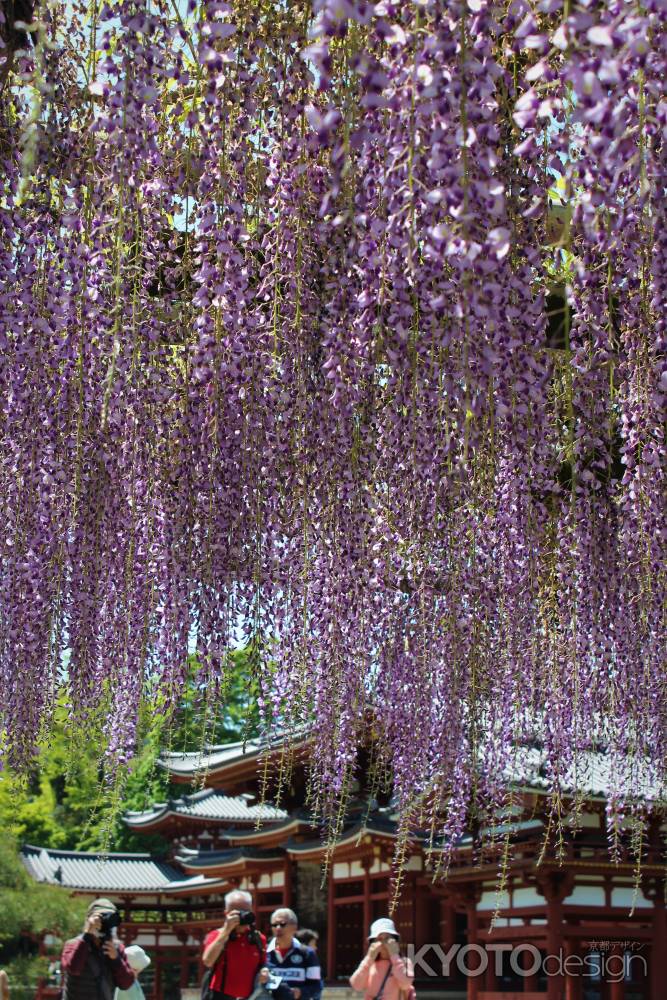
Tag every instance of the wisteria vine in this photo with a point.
(341, 327)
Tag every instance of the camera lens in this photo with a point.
(108, 921)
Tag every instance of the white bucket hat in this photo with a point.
(137, 958)
(383, 926)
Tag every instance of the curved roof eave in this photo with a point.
(230, 859)
(206, 806)
(122, 874)
(215, 760)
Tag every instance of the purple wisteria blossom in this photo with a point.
(341, 328)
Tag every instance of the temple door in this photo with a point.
(351, 944)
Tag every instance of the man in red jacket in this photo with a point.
(236, 952)
(94, 964)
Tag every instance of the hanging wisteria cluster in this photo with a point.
(340, 327)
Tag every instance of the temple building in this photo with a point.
(601, 927)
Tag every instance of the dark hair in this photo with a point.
(306, 935)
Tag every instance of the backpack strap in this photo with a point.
(378, 995)
(257, 941)
(207, 981)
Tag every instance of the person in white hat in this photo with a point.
(383, 974)
(138, 960)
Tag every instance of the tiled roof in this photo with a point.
(107, 873)
(209, 804)
(519, 829)
(212, 758)
(227, 857)
(293, 821)
(596, 774)
(374, 825)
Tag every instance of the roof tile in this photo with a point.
(209, 804)
(105, 873)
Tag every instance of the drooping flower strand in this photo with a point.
(339, 331)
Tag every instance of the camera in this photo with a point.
(278, 989)
(108, 920)
(273, 983)
(246, 918)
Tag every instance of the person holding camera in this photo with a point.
(382, 974)
(94, 963)
(295, 964)
(234, 954)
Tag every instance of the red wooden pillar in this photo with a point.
(527, 962)
(555, 980)
(555, 886)
(287, 884)
(200, 951)
(659, 944)
(573, 980)
(424, 932)
(366, 863)
(490, 976)
(157, 982)
(640, 972)
(331, 926)
(616, 974)
(472, 981)
(654, 889)
(185, 963)
(447, 923)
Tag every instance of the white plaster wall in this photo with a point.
(587, 821)
(625, 897)
(527, 897)
(491, 900)
(379, 866)
(507, 922)
(585, 895)
(146, 941)
(170, 939)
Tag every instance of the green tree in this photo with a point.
(65, 804)
(232, 716)
(30, 909)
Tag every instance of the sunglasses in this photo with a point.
(280, 923)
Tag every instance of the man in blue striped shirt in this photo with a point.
(292, 962)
